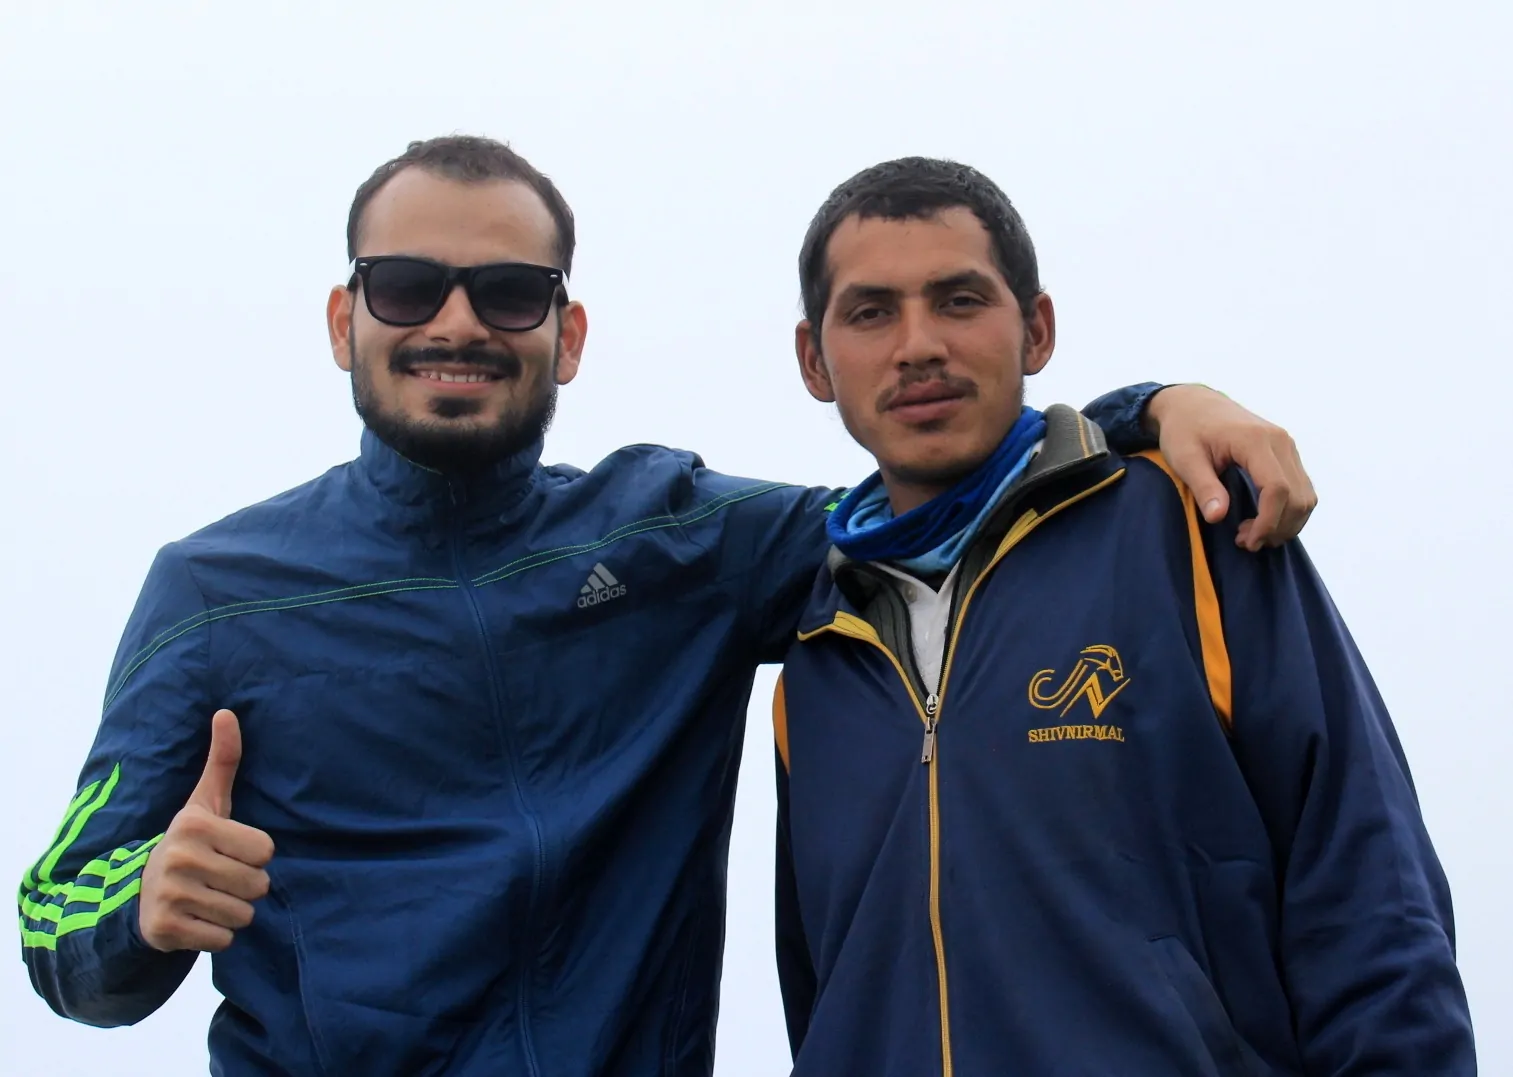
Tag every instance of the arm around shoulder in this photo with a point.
(1121, 416)
(774, 542)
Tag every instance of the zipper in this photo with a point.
(937, 931)
(854, 627)
(846, 624)
(932, 705)
(459, 497)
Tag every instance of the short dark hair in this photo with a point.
(914, 188)
(468, 159)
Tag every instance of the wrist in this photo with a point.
(1162, 400)
(1153, 407)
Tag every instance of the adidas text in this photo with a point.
(601, 587)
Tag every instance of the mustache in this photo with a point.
(913, 376)
(484, 360)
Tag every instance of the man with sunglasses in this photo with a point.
(437, 753)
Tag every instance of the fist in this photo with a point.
(201, 879)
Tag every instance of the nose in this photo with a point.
(456, 324)
(919, 340)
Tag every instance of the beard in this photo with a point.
(445, 441)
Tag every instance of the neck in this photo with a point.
(905, 495)
(908, 491)
(485, 489)
(912, 518)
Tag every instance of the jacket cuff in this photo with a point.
(1121, 415)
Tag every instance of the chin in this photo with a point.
(942, 455)
(935, 470)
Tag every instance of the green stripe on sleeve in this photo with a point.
(83, 901)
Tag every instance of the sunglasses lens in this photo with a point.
(512, 297)
(405, 292)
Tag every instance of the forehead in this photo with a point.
(908, 253)
(420, 213)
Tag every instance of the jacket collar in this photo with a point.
(407, 484)
(1073, 457)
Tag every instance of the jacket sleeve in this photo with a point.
(774, 546)
(796, 976)
(1367, 942)
(1121, 415)
(78, 903)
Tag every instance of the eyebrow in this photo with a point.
(968, 278)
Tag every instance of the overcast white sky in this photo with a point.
(1308, 208)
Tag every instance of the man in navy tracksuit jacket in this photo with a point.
(1071, 785)
(469, 808)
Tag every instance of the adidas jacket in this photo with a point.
(1154, 820)
(493, 730)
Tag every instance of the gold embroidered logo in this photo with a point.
(1097, 678)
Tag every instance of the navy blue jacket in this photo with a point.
(493, 729)
(1154, 821)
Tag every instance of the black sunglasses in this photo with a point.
(404, 291)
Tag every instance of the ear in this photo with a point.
(1040, 335)
(806, 343)
(573, 321)
(339, 325)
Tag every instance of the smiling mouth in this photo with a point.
(455, 379)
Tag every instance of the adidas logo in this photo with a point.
(601, 587)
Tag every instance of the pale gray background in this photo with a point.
(1306, 207)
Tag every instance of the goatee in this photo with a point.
(445, 442)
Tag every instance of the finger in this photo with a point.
(215, 908)
(1267, 472)
(1196, 469)
(207, 938)
(1294, 516)
(213, 793)
(242, 843)
(230, 877)
(1304, 499)
(1263, 529)
(1292, 526)
(187, 933)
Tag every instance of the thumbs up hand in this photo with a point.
(201, 879)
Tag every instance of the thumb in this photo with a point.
(1196, 470)
(213, 793)
(1213, 500)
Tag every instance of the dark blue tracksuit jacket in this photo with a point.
(493, 729)
(1153, 822)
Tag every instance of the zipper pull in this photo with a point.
(932, 704)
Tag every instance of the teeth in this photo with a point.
(468, 379)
